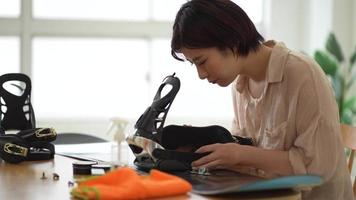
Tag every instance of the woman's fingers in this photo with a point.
(212, 164)
(208, 158)
(219, 155)
(206, 148)
(204, 161)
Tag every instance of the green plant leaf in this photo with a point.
(333, 47)
(350, 103)
(337, 86)
(353, 113)
(331, 62)
(350, 83)
(353, 59)
(347, 151)
(346, 117)
(327, 63)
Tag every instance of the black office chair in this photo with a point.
(77, 138)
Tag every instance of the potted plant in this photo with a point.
(340, 70)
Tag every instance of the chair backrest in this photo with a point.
(349, 138)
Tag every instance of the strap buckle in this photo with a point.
(45, 132)
(15, 149)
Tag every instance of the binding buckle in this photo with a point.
(15, 149)
(45, 132)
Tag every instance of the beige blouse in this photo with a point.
(297, 112)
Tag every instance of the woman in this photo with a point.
(282, 99)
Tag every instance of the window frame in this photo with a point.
(26, 27)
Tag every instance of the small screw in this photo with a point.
(55, 176)
(43, 176)
(70, 184)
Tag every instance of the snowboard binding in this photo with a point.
(16, 112)
(171, 148)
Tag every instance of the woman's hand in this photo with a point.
(230, 155)
(221, 155)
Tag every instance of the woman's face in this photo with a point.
(217, 66)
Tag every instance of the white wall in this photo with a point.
(319, 24)
(285, 19)
(354, 23)
(344, 24)
(304, 24)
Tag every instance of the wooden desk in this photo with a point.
(23, 181)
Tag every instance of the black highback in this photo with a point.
(16, 111)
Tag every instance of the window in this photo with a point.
(165, 10)
(107, 9)
(103, 77)
(9, 51)
(254, 9)
(196, 98)
(96, 59)
(92, 9)
(9, 8)
(95, 78)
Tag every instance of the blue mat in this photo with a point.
(234, 184)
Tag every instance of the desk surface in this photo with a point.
(23, 181)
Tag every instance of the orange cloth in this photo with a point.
(125, 183)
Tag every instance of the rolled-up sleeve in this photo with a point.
(296, 160)
(315, 148)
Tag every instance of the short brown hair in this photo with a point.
(214, 23)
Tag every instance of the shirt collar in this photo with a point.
(277, 61)
(275, 66)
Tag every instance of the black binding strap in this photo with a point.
(174, 136)
(14, 149)
(41, 151)
(38, 134)
(16, 111)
